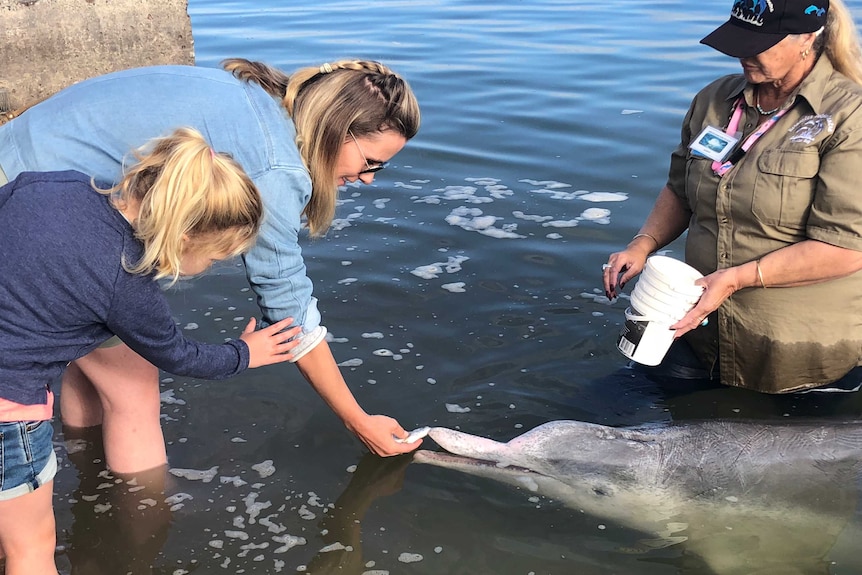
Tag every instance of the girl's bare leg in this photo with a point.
(116, 387)
(28, 534)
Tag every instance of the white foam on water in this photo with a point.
(604, 197)
(597, 215)
(410, 557)
(205, 475)
(288, 542)
(432, 271)
(178, 498)
(559, 194)
(561, 224)
(549, 184)
(455, 408)
(167, 397)
(236, 480)
(254, 507)
(456, 287)
(531, 218)
(406, 186)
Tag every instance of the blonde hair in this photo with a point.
(840, 41)
(326, 102)
(186, 191)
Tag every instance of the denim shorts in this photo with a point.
(27, 458)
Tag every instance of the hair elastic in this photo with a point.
(325, 68)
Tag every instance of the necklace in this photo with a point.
(760, 110)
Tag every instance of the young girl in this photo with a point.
(78, 264)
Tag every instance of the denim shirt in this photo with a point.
(92, 126)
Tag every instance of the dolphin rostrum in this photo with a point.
(746, 496)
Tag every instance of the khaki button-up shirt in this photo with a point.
(801, 180)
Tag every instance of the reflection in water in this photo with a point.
(342, 526)
(120, 522)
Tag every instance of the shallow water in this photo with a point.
(462, 289)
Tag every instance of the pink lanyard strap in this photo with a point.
(733, 127)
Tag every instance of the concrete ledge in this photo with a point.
(46, 45)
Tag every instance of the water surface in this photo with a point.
(462, 289)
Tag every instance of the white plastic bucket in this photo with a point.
(657, 309)
(663, 294)
(644, 339)
(658, 288)
(670, 274)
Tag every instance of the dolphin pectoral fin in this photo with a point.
(661, 542)
(666, 537)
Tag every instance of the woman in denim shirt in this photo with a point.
(298, 137)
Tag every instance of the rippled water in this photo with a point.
(462, 289)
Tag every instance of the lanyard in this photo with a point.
(733, 127)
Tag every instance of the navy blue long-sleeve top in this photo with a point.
(64, 291)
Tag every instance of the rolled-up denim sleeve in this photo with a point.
(274, 266)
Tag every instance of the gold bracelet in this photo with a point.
(650, 236)
(759, 274)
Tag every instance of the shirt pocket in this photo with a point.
(700, 181)
(784, 187)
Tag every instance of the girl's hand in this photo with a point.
(270, 344)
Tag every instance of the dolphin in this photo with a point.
(745, 496)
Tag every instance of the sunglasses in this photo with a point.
(369, 169)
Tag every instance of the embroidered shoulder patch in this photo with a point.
(808, 128)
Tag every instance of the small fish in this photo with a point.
(414, 435)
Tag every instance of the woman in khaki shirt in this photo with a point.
(775, 225)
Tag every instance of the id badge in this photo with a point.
(714, 144)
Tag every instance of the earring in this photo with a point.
(805, 53)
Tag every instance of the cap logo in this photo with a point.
(751, 11)
(816, 10)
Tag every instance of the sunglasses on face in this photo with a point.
(369, 168)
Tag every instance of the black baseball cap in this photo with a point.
(757, 25)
